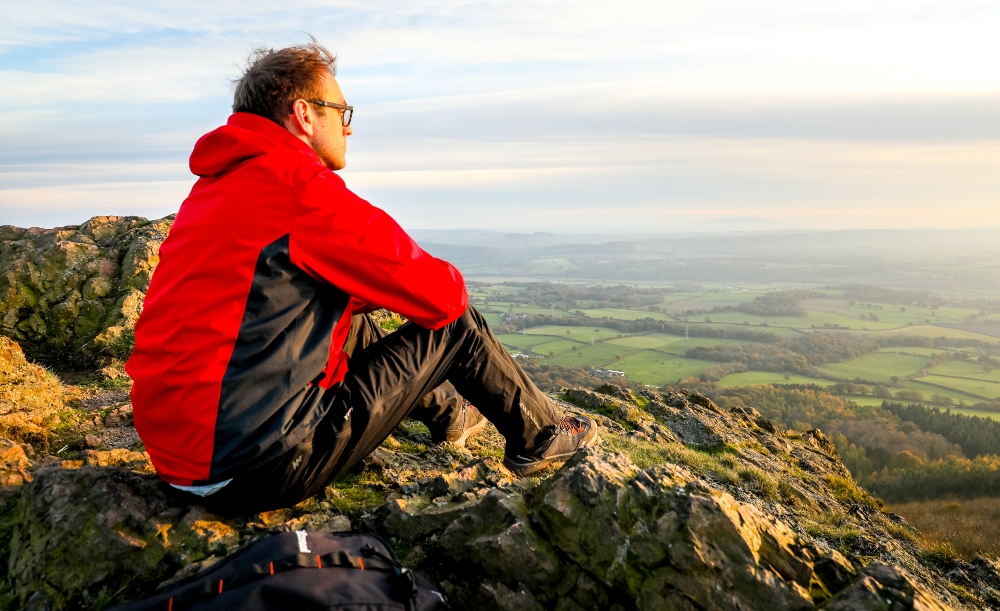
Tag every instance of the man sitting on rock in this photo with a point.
(258, 377)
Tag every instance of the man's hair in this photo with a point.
(273, 79)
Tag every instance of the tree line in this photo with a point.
(977, 436)
(779, 303)
(547, 294)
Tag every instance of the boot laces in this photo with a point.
(571, 425)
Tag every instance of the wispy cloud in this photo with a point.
(480, 112)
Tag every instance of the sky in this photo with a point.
(667, 115)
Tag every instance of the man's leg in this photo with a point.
(439, 409)
(385, 381)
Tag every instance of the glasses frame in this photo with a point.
(345, 117)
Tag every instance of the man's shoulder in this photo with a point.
(326, 188)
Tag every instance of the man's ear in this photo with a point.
(301, 121)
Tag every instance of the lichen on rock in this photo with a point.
(71, 295)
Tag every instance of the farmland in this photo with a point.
(920, 356)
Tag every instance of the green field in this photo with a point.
(980, 388)
(679, 302)
(516, 340)
(917, 351)
(931, 331)
(658, 358)
(658, 369)
(644, 341)
(966, 369)
(754, 378)
(598, 355)
(617, 314)
(928, 391)
(672, 344)
(582, 334)
(877, 367)
(875, 401)
(775, 329)
(493, 320)
(558, 346)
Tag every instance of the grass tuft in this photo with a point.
(760, 483)
(940, 553)
(836, 528)
(353, 493)
(645, 454)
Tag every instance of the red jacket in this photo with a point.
(243, 324)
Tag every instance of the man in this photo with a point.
(257, 379)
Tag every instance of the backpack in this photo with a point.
(302, 570)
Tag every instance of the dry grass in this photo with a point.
(970, 527)
(30, 397)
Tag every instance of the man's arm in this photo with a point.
(360, 249)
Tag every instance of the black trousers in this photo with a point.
(410, 372)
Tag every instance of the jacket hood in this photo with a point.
(243, 137)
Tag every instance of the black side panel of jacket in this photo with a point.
(267, 404)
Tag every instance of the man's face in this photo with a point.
(329, 140)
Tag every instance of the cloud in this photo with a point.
(482, 111)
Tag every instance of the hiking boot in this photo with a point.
(571, 434)
(468, 423)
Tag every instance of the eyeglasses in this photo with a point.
(348, 110)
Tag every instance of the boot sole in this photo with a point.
(534, 467)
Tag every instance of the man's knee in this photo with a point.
(471, 318)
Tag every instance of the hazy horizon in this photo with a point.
(634, 116)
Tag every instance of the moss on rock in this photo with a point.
(71, 295)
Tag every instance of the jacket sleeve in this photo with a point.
(338, 237)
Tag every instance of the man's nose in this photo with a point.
(348, 131)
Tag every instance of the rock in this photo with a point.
(417, 516)
(614, 390)
(92, 441)
(483, 472)
(631, 414)
(72, 294)
(695, 427)
(492, 536)
(748, 413)
(883, 587)
(134, 461)
(14, 464)
(338, 524)
(766, 424)
(817, 439)
(592, 399)
(602, 530)
(671, 541)
(103, 533)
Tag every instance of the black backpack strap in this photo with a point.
(404, 583)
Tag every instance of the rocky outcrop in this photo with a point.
(883, 587)
(91, 534)
(683, 506)
(71, 295)
(601, 530)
